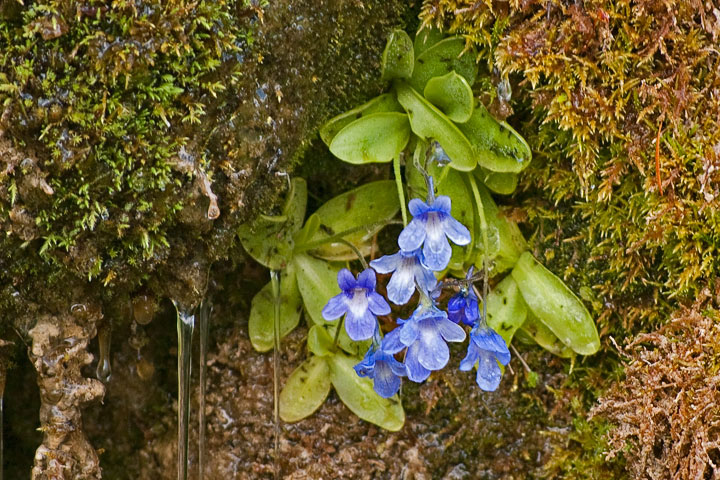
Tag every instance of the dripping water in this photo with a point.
(185, 328)
(203, 318)
(2, 429)
(275, 282)
(104, 370)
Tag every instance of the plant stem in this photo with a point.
(339, 236)
(400, 190)
(484, 234)
(356, 251)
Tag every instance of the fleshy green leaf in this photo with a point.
(555, 305)
(452, 95)
(533, 331)
(308, 230)
(317, 282)
(426, 38)
(442, 58)
(497, 146)
(398, 57)
(498, 182)
(378, 137)
(306, 389)
(269, 239)
(506, 309)
(508, 242)
(430, 123)
(386, 102)
(262, 311)
(361, 210)
(319, 341)
(358, 394)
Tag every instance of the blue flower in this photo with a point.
(463, 306)
(486, 348)
(426, 334)
(359, 302)
(382, 367)
(408, 269)
(431, 224)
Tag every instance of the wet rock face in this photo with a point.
(58, 353)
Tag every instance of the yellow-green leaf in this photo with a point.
(534, 331)
(430, 123)
(497, 146)
(358, 394)
(506, 309)
(498, 182)
(378, 137)
(441, 58)
(452, 95)
(556, 306)
(386, 102)
(306, 389)
(398, 57)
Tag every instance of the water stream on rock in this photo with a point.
(103, 372)
(185, 328)
(275, 281)
(203, 318)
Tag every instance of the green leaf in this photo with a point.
(319, 341)
(358, 394)
(317, 282)
(442, 58)
(430, 123)
(374, 138)
(509, 242)
(360, 210)
(386, 102)
(498, 182)
(506, 309)
(426, 38)
(269, 239)
(533, 331)
(262, 311)
(306, 389)
(398, 57)
(308, 230)
(555, 305)
(452, 95)
(497, 146)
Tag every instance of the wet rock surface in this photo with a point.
(58, 353)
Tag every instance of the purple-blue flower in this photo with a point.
(408, 269)
(359, 302)
(463, 306)
(382, 367)
(486, 348)
(426, 334)
(432, 225)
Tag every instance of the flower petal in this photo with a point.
(433, 353)
(413, 235)
(417, 207)
(471, 358)
(335, 308)
(409, 333)
(456, 231)
(360, 327)
(386, 382)
(416, 372)
(442, 204)
(401, 286)
(387, 263)
(346, 280)
(366, 279)
(377, 304)
(437, 254)
(391, 342)
(488, 373)
(450, 331)
(424, 277)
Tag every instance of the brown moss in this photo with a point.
(667, 410)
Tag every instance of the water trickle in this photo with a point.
(203, 319)
(185, 328)
(103, 372)
(275, 282)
